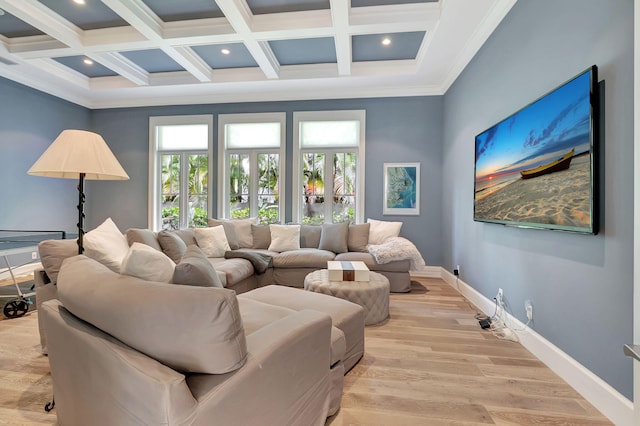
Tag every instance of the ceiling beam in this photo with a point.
(143, 19)
(342, 38)
(240, 17)
(123, 66)
(44, 19)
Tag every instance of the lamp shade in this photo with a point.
(75, 152)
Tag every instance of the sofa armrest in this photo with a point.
(285, 379)
(99, 380)
(45, 290)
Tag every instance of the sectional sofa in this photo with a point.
(117, 314)
(124, 350)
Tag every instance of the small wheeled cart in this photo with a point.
(14, 243)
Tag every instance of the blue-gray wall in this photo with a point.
(29, 122)
(397, 130)
(580, 285)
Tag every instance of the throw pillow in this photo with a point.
(212, 241)
(172, 245)
(240, 229)
(53, 252)
(310, 236)
(358, 237)
(261, 236)
(106, 244)
(229, 230)
(144, 236)
(284, 237)
(381, 230)
(195, 269)
(334, 237)
(148, 264)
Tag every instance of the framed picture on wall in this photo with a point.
(401, 189)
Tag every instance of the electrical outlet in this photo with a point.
(34, 255)
(529, 308)
(456, 271)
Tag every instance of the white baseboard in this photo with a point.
(427, 272)
(611, 403)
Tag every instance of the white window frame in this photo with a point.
(344, 115)
(223, 164)
(155, 178)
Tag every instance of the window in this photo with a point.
(179, 171)
(251, 176)
(328, 181)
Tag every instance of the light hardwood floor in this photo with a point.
(428, 364)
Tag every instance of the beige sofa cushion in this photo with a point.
(358, 237)
(195, 269)
(310, 236)
(172, 245)
(261, 236)
(153, 317)
(396, 266)
(256, 315)
(232, 271)
(53, 252)
(334, 237)
(303, 258)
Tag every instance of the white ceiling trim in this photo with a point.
(455, 31)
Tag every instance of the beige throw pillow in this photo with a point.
(358, 237)
(284, 237)
(148, 264)
(172, 245)
(195, 269)
(106, 244)
(212, 241)
(334, 237)
(381, 230)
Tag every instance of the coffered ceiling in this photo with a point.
(116, 53)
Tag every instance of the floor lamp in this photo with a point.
(82, 155)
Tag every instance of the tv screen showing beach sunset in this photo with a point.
(534, 169)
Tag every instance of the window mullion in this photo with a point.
(184, 189)
(253, 184)
(329, 173)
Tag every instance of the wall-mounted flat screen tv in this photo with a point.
(537, 168)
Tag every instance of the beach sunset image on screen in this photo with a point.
(535, 168)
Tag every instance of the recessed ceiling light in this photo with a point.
(386, 41)
(225, 51)
(80, 2)
(88, 61)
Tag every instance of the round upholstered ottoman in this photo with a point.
(372, 295)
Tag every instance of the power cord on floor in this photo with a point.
(500, 323)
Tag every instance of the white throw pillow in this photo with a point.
(381, 230)
(148, 264)
(212, 241)
(284, 237)
(106, 244)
